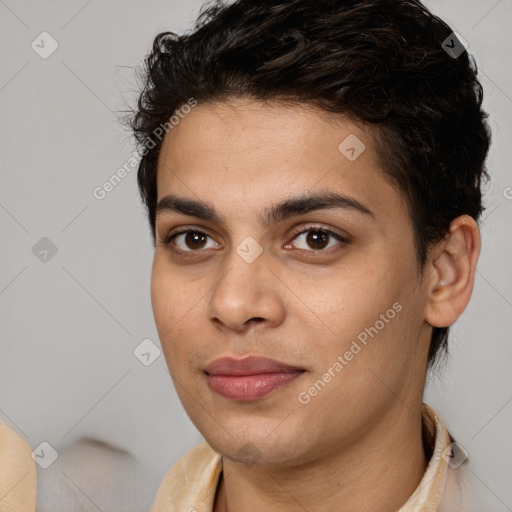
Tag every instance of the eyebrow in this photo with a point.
(271, 215)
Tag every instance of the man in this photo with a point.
(312, 174)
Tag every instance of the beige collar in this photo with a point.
(428, 494)
(191, 484)
(18, 476)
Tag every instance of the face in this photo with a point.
(283, 242)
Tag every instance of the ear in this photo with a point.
(451, 272)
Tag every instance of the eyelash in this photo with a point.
(300, 231)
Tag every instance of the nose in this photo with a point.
(246, 294)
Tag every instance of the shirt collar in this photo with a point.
(18, 476)
(428, 494)
(192, 482)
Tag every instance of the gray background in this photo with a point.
(70, 324)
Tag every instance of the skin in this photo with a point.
(357, 443)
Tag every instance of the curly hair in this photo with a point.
(384, 63)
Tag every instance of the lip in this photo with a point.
(249, 378)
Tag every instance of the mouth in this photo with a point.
(249, 378)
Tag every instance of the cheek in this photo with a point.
(163, 301)
(347, 301)
(177, 303)
(172, 296)
(168, 302)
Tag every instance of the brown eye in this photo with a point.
(195, 240)
(317, 240)
(191, 241)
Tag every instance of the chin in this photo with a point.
(263, 449)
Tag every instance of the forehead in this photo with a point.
(247, 153)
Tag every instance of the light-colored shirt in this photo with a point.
(18, 486)
(191, 484)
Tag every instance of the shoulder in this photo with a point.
(191, 483)
(18, 477)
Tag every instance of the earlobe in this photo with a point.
(453, 267)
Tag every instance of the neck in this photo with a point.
(378, 472)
